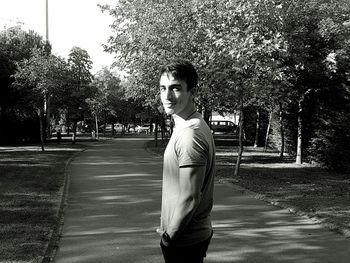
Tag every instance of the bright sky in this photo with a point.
(71, 23)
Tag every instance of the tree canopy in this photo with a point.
(270, 54)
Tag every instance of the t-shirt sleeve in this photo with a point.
(191, 148)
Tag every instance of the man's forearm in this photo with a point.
(190, 182)
(183, 214)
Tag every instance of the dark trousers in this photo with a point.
(189, 254)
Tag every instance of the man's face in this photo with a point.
(174, 94)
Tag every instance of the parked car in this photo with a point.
(223, 127)
(130, 127)
(118, 127)
(145, 128)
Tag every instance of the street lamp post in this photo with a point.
(47, 95)
(47, 20)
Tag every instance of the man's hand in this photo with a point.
(160, 232)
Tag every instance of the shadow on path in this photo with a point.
(250, 230)
(114, 205)
(114, 208)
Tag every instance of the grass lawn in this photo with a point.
(30, 186)
(304, 189)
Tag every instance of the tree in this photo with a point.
(249, 53)
(227, 41)
(150, 34)
(247, 44)
(80, 78)
(39, 77)
(111, 97)
(313, 30)
(15, 46)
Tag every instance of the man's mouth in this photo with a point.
(169, 105)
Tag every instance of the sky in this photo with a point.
(71, 23)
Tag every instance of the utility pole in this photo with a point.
(47, 20)
(47, 95)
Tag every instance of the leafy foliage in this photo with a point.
(16, 117)
(35, 82)
(289, 56)
(267, 54)
(79, 79)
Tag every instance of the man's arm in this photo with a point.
(191, 179)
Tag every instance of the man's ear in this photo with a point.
(193, 93)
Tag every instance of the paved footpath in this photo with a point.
(114, 207)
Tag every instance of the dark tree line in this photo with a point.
(41, 92)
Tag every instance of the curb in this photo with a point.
(292, 210)
(55, 234)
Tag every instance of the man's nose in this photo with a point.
(169, 94)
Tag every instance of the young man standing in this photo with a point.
(188, 172)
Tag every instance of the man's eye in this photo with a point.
(161, 88)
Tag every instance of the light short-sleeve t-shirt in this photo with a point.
(191, 144)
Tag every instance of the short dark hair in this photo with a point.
(182, 69)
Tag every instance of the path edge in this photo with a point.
(293, 210)
(56, 232)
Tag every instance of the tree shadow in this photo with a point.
(114, 205)
(114, 209)
(248, 230)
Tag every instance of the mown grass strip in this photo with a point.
(30, 185)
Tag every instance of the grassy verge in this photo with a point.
(304, 189)
(156, 148)
(30, 184)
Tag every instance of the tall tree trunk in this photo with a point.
(158, 123)
(156, 133)
(281, 131)
(162, 129)
(257, 128)
(41, 124)
(96, 126)
(104, 123)
(240, 140)
(206, 113)
(68, 123)
(123, 129)
(299, 139)
(268, 131)
(74, 136)
(48, 116)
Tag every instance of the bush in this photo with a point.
(326, 129)
(18, 130)
(330, 138)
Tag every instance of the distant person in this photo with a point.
(59, 136)
(151, 128)
(188, 171)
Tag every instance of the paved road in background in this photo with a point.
(114, 208)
